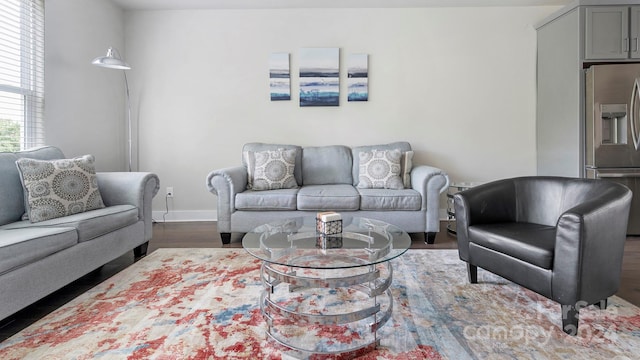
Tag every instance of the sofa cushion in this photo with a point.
(386, 199)
(90, 224)
(21, 247)
(271, 169)
(256, 146)
(41, 153)
(326, 165)
(56, 188)
(11, 194)
(380, 169)
(355, 151)
(328, 197)
(282, 199)
(531, 243)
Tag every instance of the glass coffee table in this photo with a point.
(326, 294)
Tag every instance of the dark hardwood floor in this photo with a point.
(205, 235)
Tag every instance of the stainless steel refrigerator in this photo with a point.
(612, 129)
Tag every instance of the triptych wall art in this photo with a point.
(319, 77)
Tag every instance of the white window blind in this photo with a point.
(21, 74)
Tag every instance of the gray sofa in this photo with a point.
(39, 258)
(328, 177)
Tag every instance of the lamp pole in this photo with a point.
(113, 60)
(126, 84)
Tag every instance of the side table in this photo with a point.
(454, 188)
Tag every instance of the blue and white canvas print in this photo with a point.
(279, 77)
(319, 77)
(358, 77)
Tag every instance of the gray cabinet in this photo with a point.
(607, 32)
(634, 31)
(581, 34)
(559, 86)
(611, 32)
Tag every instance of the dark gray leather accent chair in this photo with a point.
(560, 237)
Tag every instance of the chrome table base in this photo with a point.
(366, 286)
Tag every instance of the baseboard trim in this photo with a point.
(184, 215)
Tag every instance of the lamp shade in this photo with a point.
(111, 60)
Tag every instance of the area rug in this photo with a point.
(203, 304)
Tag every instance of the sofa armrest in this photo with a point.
(430, 182)
(226, 183)
(589, 248)
(130, 188)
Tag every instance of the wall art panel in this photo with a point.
(319, 77)
(358, 77)
(279, 77)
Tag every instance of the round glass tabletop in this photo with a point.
(295, 242)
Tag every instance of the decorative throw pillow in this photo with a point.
(380, 169)
(406, 165)
(271, 169)
(56, 188)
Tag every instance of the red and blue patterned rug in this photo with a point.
(203, 304)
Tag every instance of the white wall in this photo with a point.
(458, 83)
(84, 104)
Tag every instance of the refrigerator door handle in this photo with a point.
(618, 175)
(633, 114)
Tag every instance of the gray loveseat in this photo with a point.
(39, 258)
(327, 179)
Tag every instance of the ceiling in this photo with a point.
(282, 4)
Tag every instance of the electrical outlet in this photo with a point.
(170, 191)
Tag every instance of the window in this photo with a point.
(21, 74)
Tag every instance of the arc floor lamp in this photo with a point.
(113, 60)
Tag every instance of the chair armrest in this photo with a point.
(226, 183)
(590, 246)
(130, 188)
(430, 182)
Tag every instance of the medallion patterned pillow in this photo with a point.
(271, 169)
(380, 169)
(56, 188)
